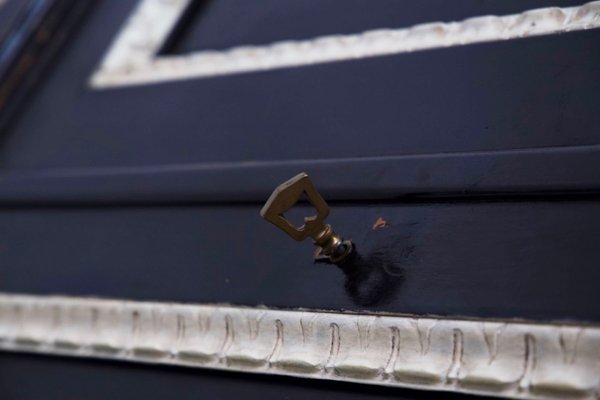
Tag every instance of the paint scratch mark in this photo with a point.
(457, 355)
(278, 340)
(492, 340)
(394, 351)
(529, 360)
(424, 335)
(229, 337)
(181, 328)
(568, 346)
(334, 347)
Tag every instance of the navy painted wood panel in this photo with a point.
(499, 259)
(476, 108)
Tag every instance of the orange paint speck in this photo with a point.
(380, 224)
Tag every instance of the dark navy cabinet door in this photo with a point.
(144, 181)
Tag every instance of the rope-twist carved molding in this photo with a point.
(512, 359)
(133, 60)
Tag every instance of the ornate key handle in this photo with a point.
(331, 247)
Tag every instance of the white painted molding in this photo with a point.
(513, 359)
(132, 58)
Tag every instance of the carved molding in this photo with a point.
(132, 59)
(513, 359)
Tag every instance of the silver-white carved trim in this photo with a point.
(513, 359)
(132, 58)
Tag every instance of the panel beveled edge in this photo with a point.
(132, 58)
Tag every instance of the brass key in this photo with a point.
(331, 246)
